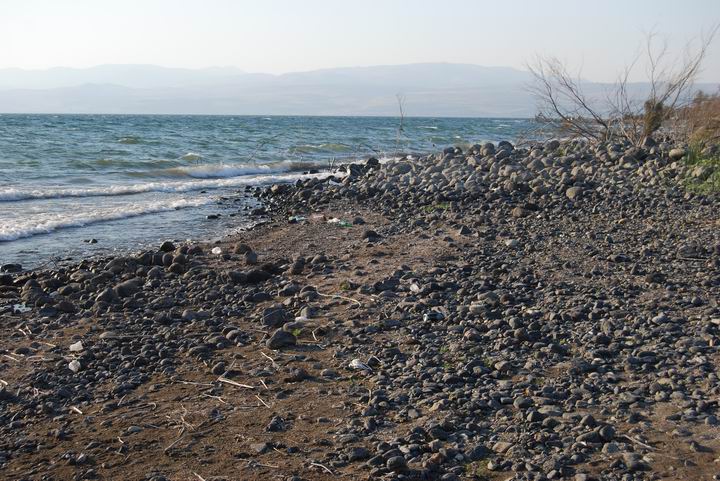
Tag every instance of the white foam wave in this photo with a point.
(46, 223)
(191, 156)
(216, 171)
(198, 182)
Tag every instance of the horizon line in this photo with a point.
(273, 115)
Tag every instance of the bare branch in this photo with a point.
(563, 103)
(401, 127)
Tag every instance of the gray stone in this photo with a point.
(396, 464)
(574, 193)
(281, 339)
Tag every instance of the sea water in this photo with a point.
(78, 185)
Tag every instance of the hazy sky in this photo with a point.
(290, 35)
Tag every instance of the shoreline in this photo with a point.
(545, 312)
(253, 217)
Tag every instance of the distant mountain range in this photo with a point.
(430, 89)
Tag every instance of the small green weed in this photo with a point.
(703, 175)
(434, 207)
(478, 470)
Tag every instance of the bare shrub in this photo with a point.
(701, 119)
(623, 112)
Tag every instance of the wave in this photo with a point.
(222, 171)
(320, 148)
(128, 163)
(219, 171)
(46, 224)
(191, 156)
(198, 183)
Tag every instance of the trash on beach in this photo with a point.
(77, 347)
(433, 316)
(74, 366)
(216, 251)
(358, 365)
(20, 308)
(339, 222)
(296, 218)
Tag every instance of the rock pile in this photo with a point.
(537, 313)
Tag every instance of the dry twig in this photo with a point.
(337, 296)
(323, 467)
(233, 383)
(275, 365)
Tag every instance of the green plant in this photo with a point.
(296, 332)
(478, 470)
(703, 171)
(439, 206)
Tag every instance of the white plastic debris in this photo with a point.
(433, 316)
(358, 365)
(21, 308)
(339, 222)
(77, 347)
(216, 251)
(74, 365)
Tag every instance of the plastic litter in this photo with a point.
(433, 316)
(358, 365)
(20, 308)
(339, 222)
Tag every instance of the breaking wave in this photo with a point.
(47, 223)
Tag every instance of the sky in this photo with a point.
(597, 38)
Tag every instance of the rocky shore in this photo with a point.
(501, 313)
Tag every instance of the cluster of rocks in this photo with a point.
(540, 176)
(560, 321)
(578, 301)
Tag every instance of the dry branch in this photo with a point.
(564, 104)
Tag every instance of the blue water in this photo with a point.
(129, 181)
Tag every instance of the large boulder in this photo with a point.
(128, 288)
(574, 193)
(281, 339)
(275, 316)
(676, 154)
